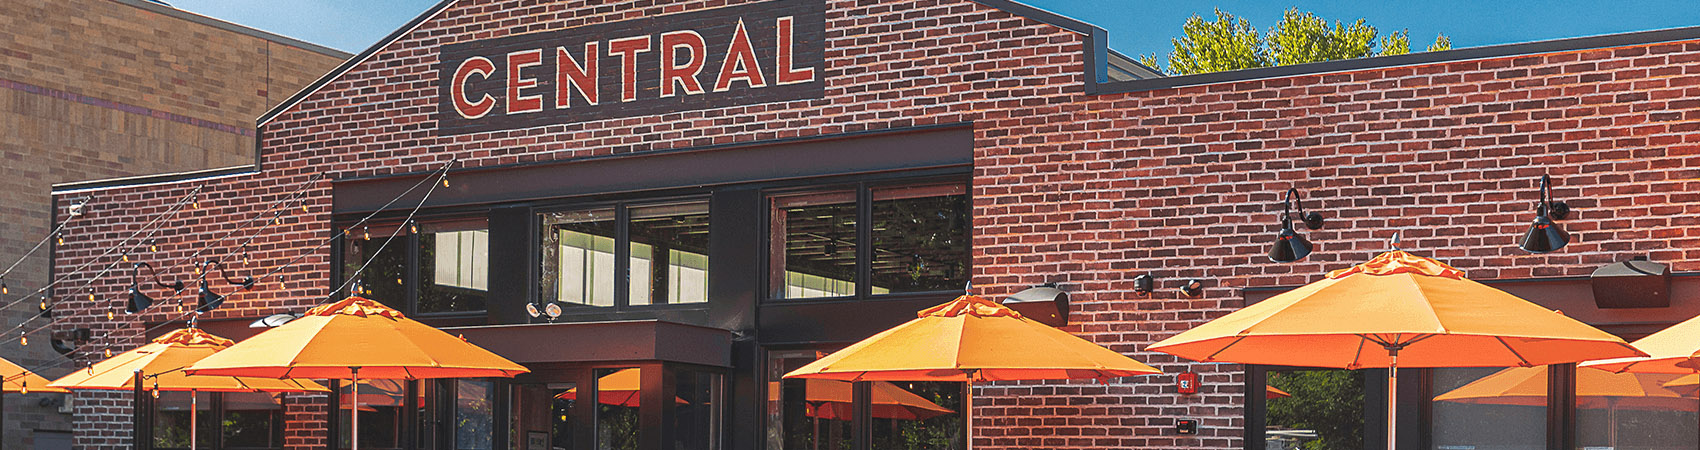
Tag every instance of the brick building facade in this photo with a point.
(93, 89)
(1074, 178)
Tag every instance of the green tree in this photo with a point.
(1328, 401)
(1232, 43)
(1228, 43)
(1440, 43)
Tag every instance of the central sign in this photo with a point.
(738, 55)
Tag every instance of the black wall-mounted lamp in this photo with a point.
(1544, 235)
(139, 301)
(1289, 245)
(1144, 284)
(1044, 303)
(209, 300)
(1193, 287)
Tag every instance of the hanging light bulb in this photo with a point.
(125, 257)
(413, 227)
(109, 352)
(24, 340)
(303, 206)
(153, 246)
(91, 294)
(110, 315)
(26, 388)
(43, 303)
(4, 289)
(368, 233)
(445, 181)
(61, 237)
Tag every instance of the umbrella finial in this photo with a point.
(1394, 242)
(968, 288)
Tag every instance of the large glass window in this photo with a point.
(379, 408)
(619, 395)
(1513, 401)
(696, 411)
(818, 414)
(669, 248)
(253, 420)
(663, 249)
(435, 267)
(1632, 411)
(475, 414)
(1321, 409)
(453, 267)
(907, 238)
(171, 420)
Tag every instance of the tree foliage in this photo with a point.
(1232, 43)
(1328, 401)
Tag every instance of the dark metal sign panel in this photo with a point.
(738, 55)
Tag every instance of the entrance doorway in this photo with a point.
(678, 406)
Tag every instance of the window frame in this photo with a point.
(622, 254)
(410, 242)
(864, 193)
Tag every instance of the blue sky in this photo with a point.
(1136, 27)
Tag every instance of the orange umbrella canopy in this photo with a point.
(830, 400)
(332, 340)
(162, 362)
(1671, 350)
(18, 379)
(621, 388)
(1272, 392)
(1595, 389)
(971, 339)
(1426, 308)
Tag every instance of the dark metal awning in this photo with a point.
(590, 342)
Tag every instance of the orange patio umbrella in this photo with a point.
(1397, 309)
(1272, 392)
(353, 337)
(831, 400)
(161, 362)
(15, 379)
(971, 339)
(621, 388)
(1595, 389)
(1671, 350)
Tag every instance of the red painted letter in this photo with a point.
(627, 49)
(675, 74)
(740, 63)
(788, 74)
(518, 61)
(468, 109)
(568, 72)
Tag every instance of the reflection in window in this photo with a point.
(920, 238)
(618, 397)
(171, 420)
(453, 260)
(1630, 411)
(379, 409)
(696, 415)
(915, 415)
(475, 414)
(561, 409)
(669, 254)
(578, 247)
(814, 236)
(253, 420)
(1319, 409)
(386, 271)
(1513, 400)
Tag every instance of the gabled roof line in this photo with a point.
(1096, 51)
(355, 61)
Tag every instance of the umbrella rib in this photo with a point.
(1513, 351)
(1224, 348)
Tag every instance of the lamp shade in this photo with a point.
(1544, 236)
(1289, 246)
(137, 302)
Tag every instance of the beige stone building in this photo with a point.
(97, 89)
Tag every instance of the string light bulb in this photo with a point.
(445, 180)
(61, 238)
(110, 315)
(26, 388)
(303, 207)
(24, 340)
(125, 257)
(413, 227)
(4, 289)
(152, 246)
(367, 233)
(155, 387)
(109, 352)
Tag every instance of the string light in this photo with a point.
(125, 257)
(109, 352)
(445, 181)
(155, 387)
(24, 340)
(152, 246)
(368, 233)
(413, 227)
(61, 238)
(4, 289)
(303, 206)
(26, 388)
(110, 316)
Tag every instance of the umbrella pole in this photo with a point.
(194, 416)
(354, 413)
(1392, 397)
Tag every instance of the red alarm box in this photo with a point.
(1187, 383)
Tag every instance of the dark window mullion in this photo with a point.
(411, 271)
(622, 257)
(864, 241)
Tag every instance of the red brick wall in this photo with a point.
(1085, 191)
